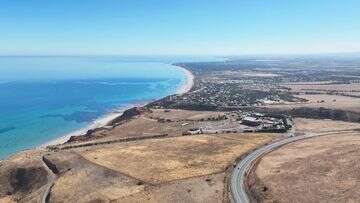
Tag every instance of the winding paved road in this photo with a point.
(237, 184)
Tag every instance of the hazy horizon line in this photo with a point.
(176, 55)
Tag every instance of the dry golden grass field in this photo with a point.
(323, 100)
(322, 169)
(163, 160)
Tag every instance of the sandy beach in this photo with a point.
(189, 83)
(103, 121)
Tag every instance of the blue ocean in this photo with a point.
(44, 98)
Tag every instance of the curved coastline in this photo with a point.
(189, 83)
(103, 121)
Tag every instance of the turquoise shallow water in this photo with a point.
(43, 98)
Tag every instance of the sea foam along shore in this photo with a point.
(103, 121)
(100, 122)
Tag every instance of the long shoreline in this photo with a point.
(104, 120)
(189, 82)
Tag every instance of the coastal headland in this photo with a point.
(183, 147)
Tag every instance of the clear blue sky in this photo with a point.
(179, 26)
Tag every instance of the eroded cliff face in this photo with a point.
(21, 177)
(127, 115)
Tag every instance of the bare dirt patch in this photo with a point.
(323, 169)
